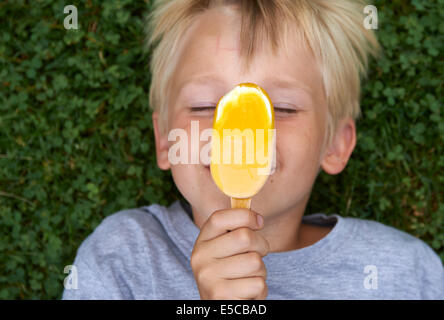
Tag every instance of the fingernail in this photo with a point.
(260, 220)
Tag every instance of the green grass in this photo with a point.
(76, 141)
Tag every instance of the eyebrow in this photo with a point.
(279, 83)
(201, 80)
(296, 89)
(270, 84)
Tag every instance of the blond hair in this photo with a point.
(333, 30)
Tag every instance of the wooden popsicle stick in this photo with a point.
(240, 203)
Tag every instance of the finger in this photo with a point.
(263, 295)
(239, 241)
(248, 288)
(243, 265)
(222, 221)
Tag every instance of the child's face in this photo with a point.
(211, 50)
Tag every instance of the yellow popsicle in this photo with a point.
(243, 143)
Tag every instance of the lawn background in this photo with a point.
(76, 141)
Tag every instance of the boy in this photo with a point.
(308, 56)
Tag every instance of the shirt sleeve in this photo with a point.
(431, 273)
(88, 285)
(112, 263)
(89, 279)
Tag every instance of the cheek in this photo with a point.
(193, 126)
(186, 175)
(299, 144)
(182, 174)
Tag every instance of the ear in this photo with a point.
(161, 144)
(337, 154)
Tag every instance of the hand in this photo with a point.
(228, 265)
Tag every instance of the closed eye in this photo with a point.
(285, 110)
(203, 108)
(212, 108)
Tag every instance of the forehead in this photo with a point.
(209, 54)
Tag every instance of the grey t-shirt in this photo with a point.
(145, 253)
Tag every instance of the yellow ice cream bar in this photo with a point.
(243, 141)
